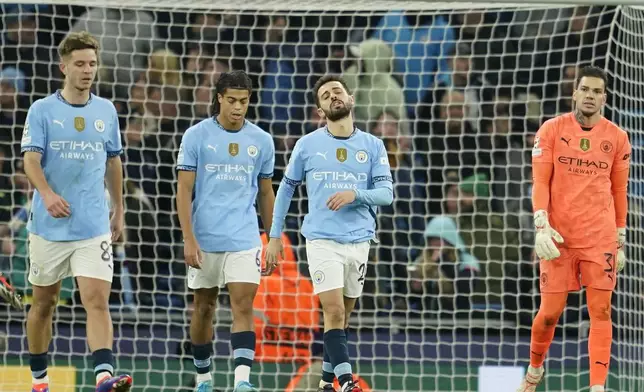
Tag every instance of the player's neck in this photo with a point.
(75, 96)
(587, 121)
(229, 126)
(341, 128)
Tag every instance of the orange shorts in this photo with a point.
(589, 267)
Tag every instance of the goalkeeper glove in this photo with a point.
(544, 245)
(621, 256)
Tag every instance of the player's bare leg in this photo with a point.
(601, 336)
(543, 331)
(94, 295)
(335, 338)
(326, 384)
(201, 335)
(243, 336)
(39, 331)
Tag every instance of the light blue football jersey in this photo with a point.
(75, 142)
(228, 166)
(328, 165)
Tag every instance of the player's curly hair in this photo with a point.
(77, 41)
(324, 80)
(236, 80)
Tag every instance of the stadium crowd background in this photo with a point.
(457, 96)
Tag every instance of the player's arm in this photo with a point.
(185, 187)
(381, 192)
(114, 177)
(266, 195)
(293, 176)
(619, 186)
(187, 160)
(34, 141)
(542, 170)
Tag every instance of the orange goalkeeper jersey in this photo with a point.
(580, 177)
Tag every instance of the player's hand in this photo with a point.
(340, 199)
(544, 245)
(191, 254)
(621, 255)
(56, 205)
(117, 222)
(274, 251)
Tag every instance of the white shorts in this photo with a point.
(221, 268)
(333, 265)
(50, 262)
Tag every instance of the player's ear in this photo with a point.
(62, 66)
(321, 114)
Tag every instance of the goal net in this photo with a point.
(456, 91)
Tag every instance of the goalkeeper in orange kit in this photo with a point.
(580, 171)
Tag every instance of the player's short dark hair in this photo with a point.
(590, 71)
(324, 80)
(236, 80)
(77, 41)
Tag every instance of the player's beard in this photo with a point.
(336, 114)
(586, 113)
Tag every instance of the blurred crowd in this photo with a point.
(457, 96)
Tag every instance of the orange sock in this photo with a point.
(543, 326)
(601, 334)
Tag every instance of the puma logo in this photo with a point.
(61, 123)
(603, 364)
(566, 141)
(537, 354)
(212, 148)
(322, 155)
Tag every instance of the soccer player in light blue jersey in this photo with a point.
(72, 146)
(347, 176)
(228, 162)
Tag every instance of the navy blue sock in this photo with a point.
(335, 343)
(201, 357)
(327, 369)
(243, 348)
(103, 361)
(38, 364)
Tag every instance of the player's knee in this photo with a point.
(599, 311)
(95, 301)
(204, 306)
(550, 320)
(242, 307)
(43, 306)
(549, 317)
(334, 314)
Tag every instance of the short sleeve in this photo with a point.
(187, 158)
(34, 135)
(542, 150)
(622, 159)
(268, 159)
(294, 173)
(380, 169)
(114, 147)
